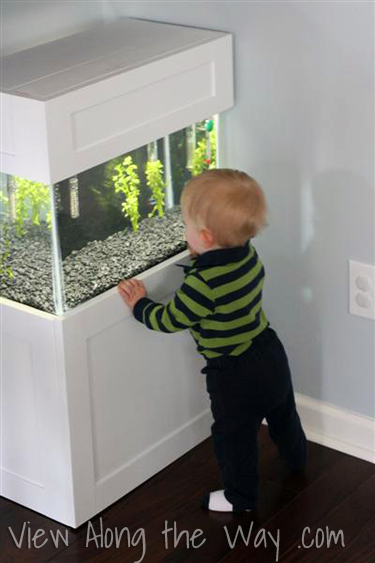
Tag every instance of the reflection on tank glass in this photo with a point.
(63, 244)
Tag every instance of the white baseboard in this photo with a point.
(337, 428)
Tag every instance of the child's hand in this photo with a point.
(131, 291)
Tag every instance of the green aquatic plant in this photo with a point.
(199, 160)
(4, 202)
(154, 175)
(31, 199)
(126, 181)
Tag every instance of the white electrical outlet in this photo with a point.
(362, 289)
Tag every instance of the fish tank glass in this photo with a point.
(65, 243)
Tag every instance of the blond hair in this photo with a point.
(228, 202)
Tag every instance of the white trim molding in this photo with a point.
(337, 428)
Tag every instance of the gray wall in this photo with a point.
(303, 126)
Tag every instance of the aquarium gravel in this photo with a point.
(95, 268)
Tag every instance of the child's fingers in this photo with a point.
(123, 286)
(127, 288)
(132, 283)
(140, 284)
(127, 285)
(136, 285)
(125, 295)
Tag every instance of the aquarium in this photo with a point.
(65, 243)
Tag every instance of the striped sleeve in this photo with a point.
(192, 302)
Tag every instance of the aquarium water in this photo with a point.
(63, 244)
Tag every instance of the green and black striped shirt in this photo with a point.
(220, 302)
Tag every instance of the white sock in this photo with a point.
(217, 501)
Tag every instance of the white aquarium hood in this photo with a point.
(77, 102)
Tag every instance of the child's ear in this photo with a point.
(207, 238)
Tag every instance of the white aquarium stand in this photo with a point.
(93, 403)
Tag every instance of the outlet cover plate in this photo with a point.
(362, 289)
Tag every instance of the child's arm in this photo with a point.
(191, 302)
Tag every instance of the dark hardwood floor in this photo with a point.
(337, 493)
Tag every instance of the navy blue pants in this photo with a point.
(243, 391)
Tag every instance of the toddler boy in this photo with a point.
(220, 302)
